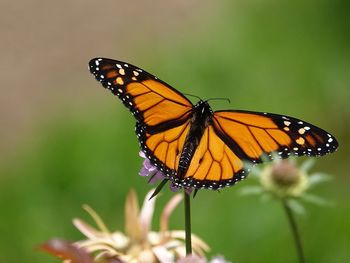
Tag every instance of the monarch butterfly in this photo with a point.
(193, 145)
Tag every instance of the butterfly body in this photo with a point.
(195, 146)
(201, 118)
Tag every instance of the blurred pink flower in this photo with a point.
(139, 243)
(66, 251)
(192, 259)
(219, 259)
(197, 259)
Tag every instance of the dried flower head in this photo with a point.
(285, 179)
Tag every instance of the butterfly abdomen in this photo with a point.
(186, 157)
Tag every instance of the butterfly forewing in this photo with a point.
(150, 100)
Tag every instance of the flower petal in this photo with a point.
(296, 206)
(86, 229)
(132, 223)
(192, 259)
(147, 213)
(107, 258)
(144, 171)
(93, 247)
(317, 178)
(169, 208)
(219, 259)
(148, 165)
(146, 256)
(158, 176)
(175, 188)
(163, 254)
(67, 251)
(142, 154)
(317, 200)
(196, 241)
(96, 218)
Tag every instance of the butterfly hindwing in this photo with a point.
(151, 101)
(236, 140)
(164, 147)
(260, 135)
(214, 165)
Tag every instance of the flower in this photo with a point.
(284, 179)
(138, 244)
(149, 170)
(67, 251)
(219, 259)
(192, 259)
(197, 259)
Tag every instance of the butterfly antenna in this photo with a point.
(159, 188)
(192, 95)
(227, 99)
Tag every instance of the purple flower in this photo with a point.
(149, 170)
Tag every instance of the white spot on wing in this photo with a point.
(287, 123)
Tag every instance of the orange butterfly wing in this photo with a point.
(151, 101)
(257, 135)
(164, 148)
(162, 113)
(237, 138)
(214, 165)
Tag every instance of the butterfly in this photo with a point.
(194, 146)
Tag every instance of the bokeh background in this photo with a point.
(65, 141)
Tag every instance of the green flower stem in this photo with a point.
(295, 232)
(188, 223)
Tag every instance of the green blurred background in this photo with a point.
(65, 141)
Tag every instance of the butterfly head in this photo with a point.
(203, 109)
